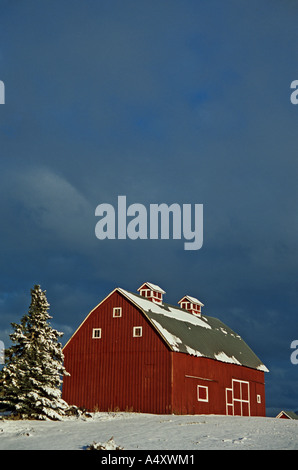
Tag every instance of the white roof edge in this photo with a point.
(262, 367)
(281, 413)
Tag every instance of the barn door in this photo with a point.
(237, 398)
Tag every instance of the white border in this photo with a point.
(135, 328)
(94, 336)
(114, 312)
(198, 393)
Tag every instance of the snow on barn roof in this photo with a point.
(198, 336)
(153, 287)
(192, 300)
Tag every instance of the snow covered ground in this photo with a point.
(151, 432)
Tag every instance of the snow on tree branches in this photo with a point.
(31, 377)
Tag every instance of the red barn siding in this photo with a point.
(118, 371)
(141, 374)
(190, 371)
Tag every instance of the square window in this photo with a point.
(137, 331)
(96, 333)
(117, 312)
(202, 392)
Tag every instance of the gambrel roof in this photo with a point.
(200, 336)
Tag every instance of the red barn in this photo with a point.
(133, 352)
(287, 415)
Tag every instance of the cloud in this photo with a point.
(45, 210)
(162, 102)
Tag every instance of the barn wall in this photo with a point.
(118, 371)
(213, 378)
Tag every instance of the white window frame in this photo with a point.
(145, 293)
(96, 333)
(259, 399)
(198, 393)
(135, 330)
(229, 403)
(119, 310)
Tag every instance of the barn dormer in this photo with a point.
(191, 304)
(151, 292)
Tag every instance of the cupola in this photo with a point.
(191, 304)
(151, 292)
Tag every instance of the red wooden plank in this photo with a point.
(121, 372)
(118, 371)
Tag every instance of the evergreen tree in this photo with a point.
(31, 377)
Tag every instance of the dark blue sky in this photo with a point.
(162, 101)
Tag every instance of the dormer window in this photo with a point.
(191, 304)
(151, 292)
(145, 293)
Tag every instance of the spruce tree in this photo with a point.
(31, 377)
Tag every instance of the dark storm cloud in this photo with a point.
(163, 102)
